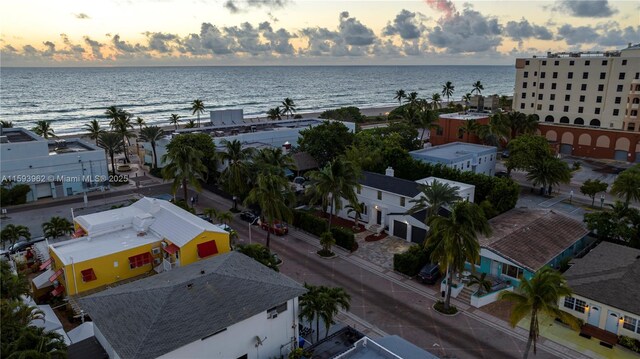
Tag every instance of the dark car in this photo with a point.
(22, 245)
(277, 228)
(205, 217)
(502, 174)
(249, 216)
(429, 274)
(505, 154)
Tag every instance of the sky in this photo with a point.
(306, 32)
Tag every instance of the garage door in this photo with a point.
(620, 155)
(43, 190)
(566, 149)
(400, 229)
(418, 234)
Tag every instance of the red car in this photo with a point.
(277, 228)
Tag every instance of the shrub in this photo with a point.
(344, 238)
(629, 343)
(14, 195)
(317, 226)
(351, 114)
(297, 116)
(439, 306)
(411, 261)
(156, 172)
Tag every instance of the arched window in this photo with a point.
(594, 122)
(564, 119)
(548, 119)
(578, 121)
(536, 117)
(636, 100)
(634, 113)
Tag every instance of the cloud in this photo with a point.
(48, 52)
(231, 6)
(524, 30)
(82, 16)
(576, 35)
(465, 32)
(124, 47)
(444, 6)
(95, 47)
(406, 25)
(586, 8)
(161, 42)
(354, 32)
(278, 40)
(213, 40)
(618, 37)
(234, 8)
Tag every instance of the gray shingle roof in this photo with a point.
(609, 274)
(390, 184)
(532, 238)
(156, 315)
(304, 161)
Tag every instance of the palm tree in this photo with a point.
(190, 124)
(427, 120)
(484, 284)
(112, 144)
(400, 94)
(36, 342)
(271, 192)
(495, 131)
(520, 123)
(327, 241)
(197, 106)
(454, 241)
(335, 181)
(210, 212)
(536, 296)
(184, 168)
(122, 126)
(140, 123)
(470, 127)
(259, 253)
(174, 120)
(12, 233)
(335, 299)
(273, 160)
(6, 124)
(627, 185)
(275, 113)
(43, 128)
(548, 172)
(323, 302)
(435, 100)
(466, 97)
(94, 129)
(12, 285)
(225, 217)
(447, 90)
(477, 87)
(57, 227)
(235, 177)
(433, 197)
(152, 134)
(356, 208)
(288, 107)
(412, 98)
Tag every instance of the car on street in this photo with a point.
(429, 274)
(19, 246)
(277, 228)
(249, 216)
(205, 217)
(224, 226)
(505, 154)
(502, 174)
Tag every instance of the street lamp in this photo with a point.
(570, 197)
(601, 201)
(251, 225)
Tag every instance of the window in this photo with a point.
(553, 86)
(575, 304)
(526, 74)
(567, 97)
(571, 63)
(491, 158)
(544, 63)
(580, 109)
(583, 87)
(524, 95)
(402, 199)
(624, 62)
(556, 63)
(570, 75)
(566, 109)
(601, 87)
(206, 249)
(603, 75)
(604, 62)
(630, 323)
(539, 107)
(468, 163)
(511, 271)
(616, 112)
(379, 195)
(637, 75)
(585, 75)
(534, 84)
(278, 309)
(599, 99)
(617, 100)
(526, 62)
(587, 63)
(88, 275)
(524, 85)
(541, 85)
(582, 98)
(552, 96)
(531, 105)
(621, 75)
(550, 107)
(597, 111)
(535, 73)
(555, 75)
(543, 74)
(619, 88)
(568, 87)
(140, 260)
(540, 96)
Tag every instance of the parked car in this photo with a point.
(124, 168)
(224, 226)
(505, 154)
(205, 217)
(19, 246)
(249, 216)
(277, 228)
(502, 174)
(429, 274)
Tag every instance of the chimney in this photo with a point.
(389, 172)
(286, 147)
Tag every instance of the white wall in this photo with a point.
(485, 164)
(604, 312)
(239, 339)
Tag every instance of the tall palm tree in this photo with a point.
(538, 296)
(224, 217)
(436, 100)
(320, 302)
(400, 94)
(44, 129)
(12, 233)
(272, 194)
(113, 113)
(412, 98)
(273, 160)
(94, 129)
(184, 168)
(152, 134)
(627, 185)
(236, 176)
(427, 120)
(289, 108)
(122, 126)
(6, 124)
(356, 208)
(336, 299)
(197, 106)
(191, 124)
(547, 172)
(454, 240)
(520, 123)
(275, 113)
(433, 197)
(448, 89)
(12, 285)
(174, 120)
(470, 127)
(140, 122)
(338, 179)
(477, 88)
(466, 97)
(57, 227)
(496, 131)
(113, 144)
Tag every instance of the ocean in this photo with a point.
(70, 97)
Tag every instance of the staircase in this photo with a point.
(465, 295)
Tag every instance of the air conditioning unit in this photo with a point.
(157, 261)
(272, 315)
(164, 244)
(155, 251)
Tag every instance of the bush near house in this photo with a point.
(411, 261)
(15, 195)
(629, 343)
(316, 226)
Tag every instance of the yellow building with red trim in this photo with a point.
(115, 245)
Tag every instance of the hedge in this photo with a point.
(316, 226)
(411, 261)
(14, 195)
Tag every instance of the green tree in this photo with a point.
(453, 240)
(436, 100)
(174, 119)
(184, 168)
(484, 284)
(470, 127)
(57, 227)
(202, 143)
(519, 123)
(327, 241)
(225, 217)
(477, 87)
(152, 134)
(12, 285)
(525, 149)
(400, 94)
(122, 126)
(547, 172)
(335, 181)
(357, 208)
(274, 113)
(140, 122)
(627, 185)
(320, 302)
(211, 212)
(190, 124)
(496, 131)
(12, 233)
(6, 124)
(326, 141)
(272, 193)
(349, 114)
(539, 296)
(433, 197)
(112, 144)
(197, 108)
(592, 187)
(94, 129)
(412, 99)
(288, 107)
(43, 129)
(259, 253)
(619, 224)
(236, 176)
(273, 160)
(448, 89)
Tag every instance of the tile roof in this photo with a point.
(390, 184)
(87, 348)
(304, 161)
(609, 274)
(532, 238)
(156, 315)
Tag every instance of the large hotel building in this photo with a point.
(586, 101)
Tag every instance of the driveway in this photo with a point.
(380, 252)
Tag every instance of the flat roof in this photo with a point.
(453, 151)
(461, 186)
(465, 116)
(251, 125)
(69, 146)
(16, 135)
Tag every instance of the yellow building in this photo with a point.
(149, 235)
